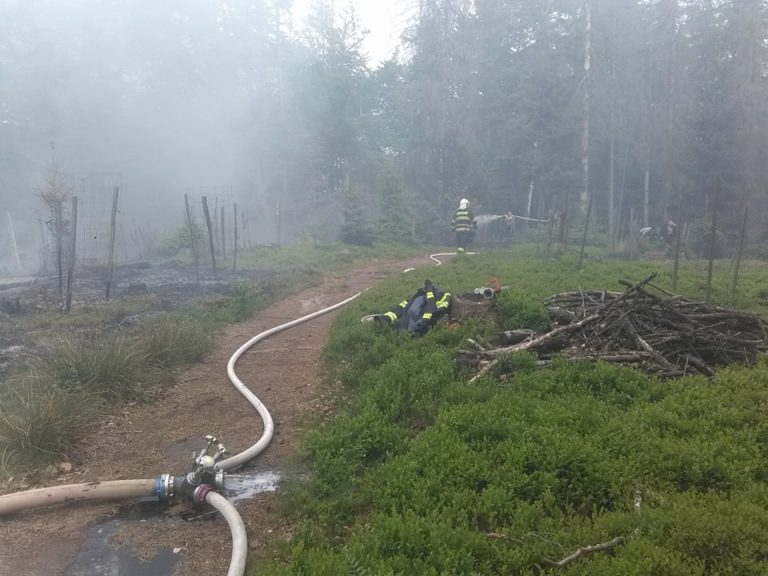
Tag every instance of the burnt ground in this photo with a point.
(149, 288)
(143, 441)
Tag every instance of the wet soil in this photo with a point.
(143, 441)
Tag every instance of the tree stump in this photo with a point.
(473, 307)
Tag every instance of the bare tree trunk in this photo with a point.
(72, 256)
(43, 241)
(246, 236)
(646, 196)
(712, 242)
(111, 255)
(612, 169)
(279, 220)
(223, 234)
(215, 225)
(620, 208)
(59, 248)
(631, 234)
(738, 254)
(530, 200)
(584, 237)
(139, 240)
(585, 119)
(678, 243)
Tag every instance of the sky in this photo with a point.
(385, 19)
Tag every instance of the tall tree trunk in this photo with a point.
(612, 168)
(584, 197)
(670, 154)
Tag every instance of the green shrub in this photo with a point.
(180, 240)
(242, 301)
(521, 310)
(548, 462)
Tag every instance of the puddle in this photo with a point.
(239, 487)
(98, 558)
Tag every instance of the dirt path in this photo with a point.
(144, 441)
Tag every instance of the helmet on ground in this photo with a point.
(463, 203)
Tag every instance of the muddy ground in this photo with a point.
(284, 371)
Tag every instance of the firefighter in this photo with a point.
(464, 225)
(420, 312)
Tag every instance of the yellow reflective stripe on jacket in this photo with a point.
(430, 294)
(391, 315)
(444, 302)
(462, 221)
(427, 316)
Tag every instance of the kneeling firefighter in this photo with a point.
(420, 312)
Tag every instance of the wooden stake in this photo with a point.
(13, 241)
(139, 240)
(210, 234)
(192, 244)
(234, 247)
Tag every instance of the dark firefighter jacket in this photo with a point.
(464, 220)
(421, 311)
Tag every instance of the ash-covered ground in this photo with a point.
(149, 288)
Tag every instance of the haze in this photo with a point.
(526, 107)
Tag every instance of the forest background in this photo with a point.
(532, 107)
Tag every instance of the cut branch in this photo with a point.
(584, 551)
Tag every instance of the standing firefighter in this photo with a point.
(464, 225)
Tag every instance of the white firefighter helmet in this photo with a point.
(463, 204)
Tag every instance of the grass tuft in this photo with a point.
(169, 342)
(110, 369)
(40, 421)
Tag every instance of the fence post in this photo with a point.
(210, 234)
(234, 247)
(192, 246)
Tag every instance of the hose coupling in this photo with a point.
(164, 486)
(485, 292)
(201, 492)
(204, 471)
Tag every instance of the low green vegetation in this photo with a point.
(101, 356)
(422, 473)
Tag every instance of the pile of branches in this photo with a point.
(659, 333)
